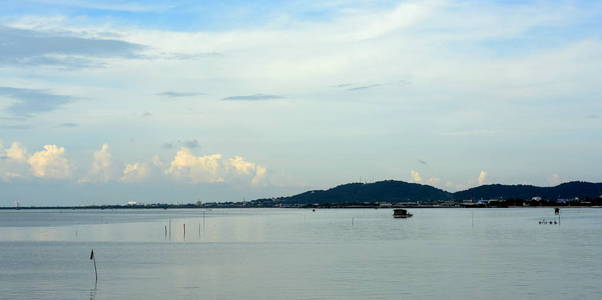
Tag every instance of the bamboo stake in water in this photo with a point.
(473, 219)
(94, 260)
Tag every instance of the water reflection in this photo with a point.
(93, 291)
(297, 254)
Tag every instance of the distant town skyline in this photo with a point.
(178, 101)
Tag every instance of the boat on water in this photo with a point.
(401, 213)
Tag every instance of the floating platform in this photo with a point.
(400, 213)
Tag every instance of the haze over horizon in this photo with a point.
(176, 101)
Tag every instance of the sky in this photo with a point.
(178, 101)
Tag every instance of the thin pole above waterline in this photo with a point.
(94, 260)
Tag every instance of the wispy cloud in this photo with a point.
(359, 87)
(68, 125)
(16, 127)
(191, 143)
(14, 118)
(342, 85)
(120, 6)
(173, 94)
(188, 56)
(470, 132)
(363, 87)
(34, 47)
(256, 97)
(33, 101)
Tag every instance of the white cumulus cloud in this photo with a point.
(196, 169)
(50, 163)
(16, 152)
(242, 167)
(482, 177)
(214, 168)
(13, 162)
(433, 180)
(415, 176)
(260, 174)
(555, 179)
(135, 172)
(101, 166)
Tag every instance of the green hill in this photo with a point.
(400, 191)
(582, 190)
(382, 191)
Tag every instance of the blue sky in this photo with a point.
(231, 99)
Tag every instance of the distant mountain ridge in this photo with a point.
(400, 191)
(566, 190)
(389, 190)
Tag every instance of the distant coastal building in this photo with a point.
(536, 198)
(132, 203)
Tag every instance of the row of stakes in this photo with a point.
(553, 221)
(167, 233)
(168, 229)
(546, 221)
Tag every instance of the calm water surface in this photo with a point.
(299, 254)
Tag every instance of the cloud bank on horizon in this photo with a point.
(129, 93)
(53, 163)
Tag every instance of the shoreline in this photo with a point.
(193, 206)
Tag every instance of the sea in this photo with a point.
(439, 253)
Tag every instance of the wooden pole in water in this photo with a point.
(184, 231)
(94, 260)
(165, 231)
